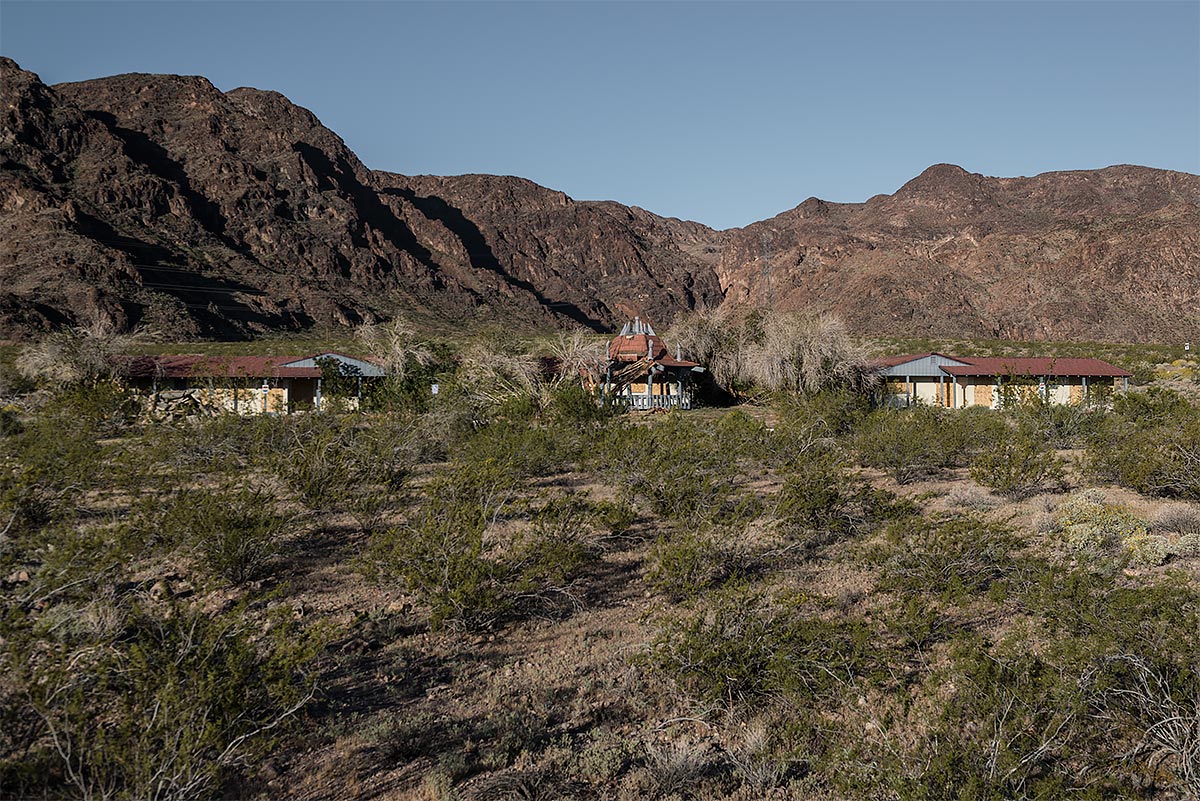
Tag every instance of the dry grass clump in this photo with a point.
(776, 351)
(968, 497)
(675, 766)
(398, 345)
(81, 355)
(1181, 520)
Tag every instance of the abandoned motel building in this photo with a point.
(638, 371)
(955, 382)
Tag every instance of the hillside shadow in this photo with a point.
(143, 150)
(211, 301)
(341, 177)
(481, 255)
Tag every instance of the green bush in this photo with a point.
(679, 470)
(1150, 443)
(10, 422)
(1058, 425)
(235, 530)
(442, 556)
(1017, 465)
(822, 502)
(687, 563)
(571, 404)
(742, 650)
(911, 443)
(169, 708)
(955, 557)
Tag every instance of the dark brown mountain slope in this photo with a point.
(149, 198)
(1103, 254)
(160, 197)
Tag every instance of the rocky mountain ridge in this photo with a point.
(161, 200)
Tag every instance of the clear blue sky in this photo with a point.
(723, 113)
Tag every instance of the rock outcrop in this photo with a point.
(162, 201)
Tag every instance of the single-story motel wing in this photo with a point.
(246, 384)
(939, 379)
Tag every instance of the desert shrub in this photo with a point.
(742, 650)
(1017, 464)
(1009, 728)
(822, 501)
(571, 404)
(526, 449)
(689, 562)
(1188, 545)
(438, 432)
(442, 556)
(615, 518)
(603, 757)
(908, 444)
(74, 356)
(1159, 700)
(333, 462)
(1178, 520)
(954, 557)
(167, 709)
(1092, 525)
(1150, 443)
(739, 435)
(972, 498)
(675, 766)
(679, 470)
(236, 531)
(1058, 425)
(10, 422)
(543, 561)
(322, 464)
(772, 350)
(833, 412)
(1150, 550)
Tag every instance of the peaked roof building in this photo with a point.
(643, 373)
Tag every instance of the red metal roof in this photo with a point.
(635, 347)
(1035, 366)
(198, 366)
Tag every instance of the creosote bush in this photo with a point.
(235, 530)
(1150, 443)
(452, 557)
(1017, 464)
(167, 708)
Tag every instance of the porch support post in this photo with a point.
(317, 397)
(650, 389)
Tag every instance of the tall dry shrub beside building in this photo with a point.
(775, 351)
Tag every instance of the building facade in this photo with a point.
(247, 384)
(955, 382)
(641, 373)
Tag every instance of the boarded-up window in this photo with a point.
(983, 394)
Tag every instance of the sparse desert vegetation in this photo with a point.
(509, 591)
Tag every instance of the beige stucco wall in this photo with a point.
(249, 400)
